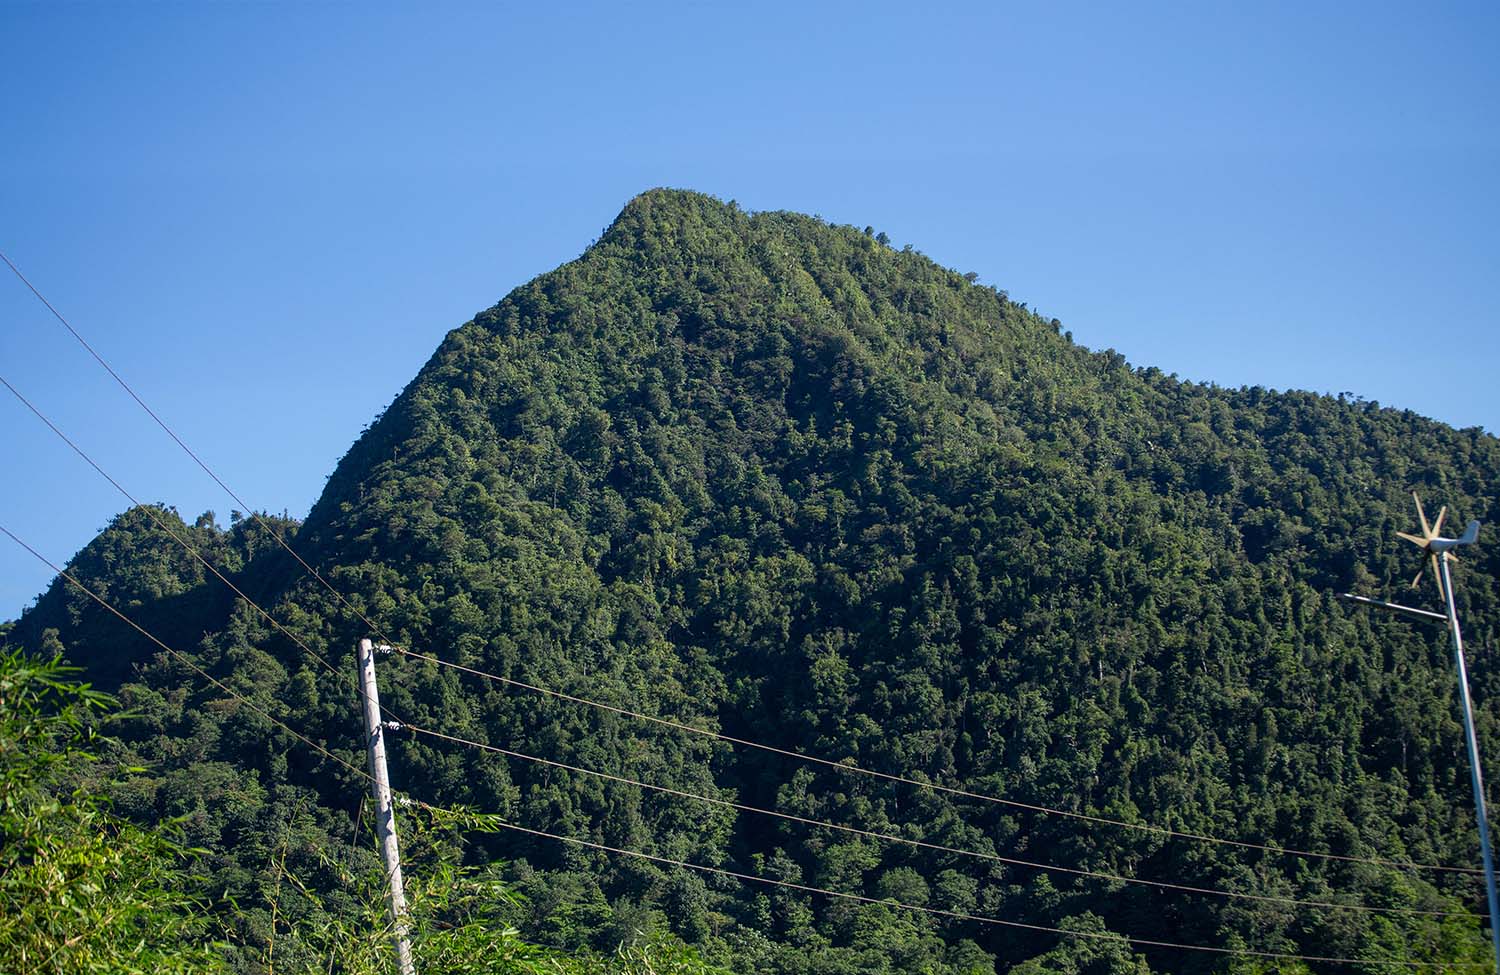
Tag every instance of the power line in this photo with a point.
(843, 767)
(955, 915)
(188, 450)
(850, 769)
(183, 658)
(846, 768)
(979, 919)
(941, 848)
(372, 715)
(377, 761)
(189, 547)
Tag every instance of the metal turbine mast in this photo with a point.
(1439, 551)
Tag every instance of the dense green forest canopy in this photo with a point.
(775, 478)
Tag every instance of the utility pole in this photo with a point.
(385, 813)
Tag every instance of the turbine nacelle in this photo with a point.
(1469, 537)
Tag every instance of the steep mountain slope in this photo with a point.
(768, 476)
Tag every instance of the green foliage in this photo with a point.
(81, 890)
(85, 891)
(775, 478)
(1096, 952)
(458, 919)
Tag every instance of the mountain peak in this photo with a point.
(646, 215)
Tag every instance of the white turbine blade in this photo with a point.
(1437, 526)
(1421, 515)
(1416, 540)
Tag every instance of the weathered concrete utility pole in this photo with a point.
(385, 813)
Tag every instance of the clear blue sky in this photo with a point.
(267, 216)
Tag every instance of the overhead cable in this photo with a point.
(841, 766)
(743, 877)
(937, 847)
(184, 658)
(188, 450)
(995, 921)
(189, 547)
(848, 768)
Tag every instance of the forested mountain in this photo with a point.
(767, 476)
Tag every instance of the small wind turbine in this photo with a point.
(1439, 551)
(1436, 545)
